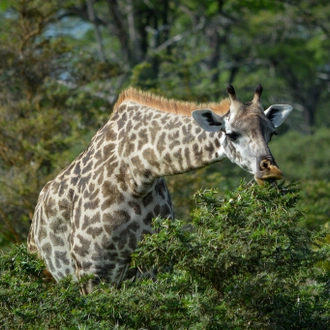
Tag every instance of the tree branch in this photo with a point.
(179, 37)
(91, 16)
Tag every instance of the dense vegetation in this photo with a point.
(252, 259)
(243, 263)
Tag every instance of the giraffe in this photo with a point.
(91, 216)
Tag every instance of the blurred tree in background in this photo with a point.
(63, 63)
(47, 106)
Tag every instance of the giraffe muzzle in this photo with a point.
(268, 170)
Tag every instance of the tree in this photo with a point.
(41, 115)
(290, 41)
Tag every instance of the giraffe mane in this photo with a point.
(169, 105)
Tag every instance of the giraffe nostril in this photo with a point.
(268, 170)
(265, 164)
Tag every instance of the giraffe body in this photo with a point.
(90, 218)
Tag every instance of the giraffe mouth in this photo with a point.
(272, 174)
(261, 182)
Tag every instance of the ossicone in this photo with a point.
(257, 94)
(231, 92)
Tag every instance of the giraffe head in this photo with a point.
(245, 131)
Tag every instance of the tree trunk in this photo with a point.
(136, 54)
(213, 38)
(309, 113)
(121, 31)
(98, 37)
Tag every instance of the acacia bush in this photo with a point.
(243, 263)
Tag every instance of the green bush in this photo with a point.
(251, 250)
(244, 263)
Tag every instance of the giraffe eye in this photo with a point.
(232, 136)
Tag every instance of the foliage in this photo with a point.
(244, 263)
(315, 201)
(304, 157)
(44, 119)
(251, 251)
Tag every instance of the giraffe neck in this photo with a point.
(156, 143)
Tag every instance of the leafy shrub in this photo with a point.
(244, 263)
(250, 249)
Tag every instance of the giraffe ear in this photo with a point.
(208, 120)
(277, 113)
